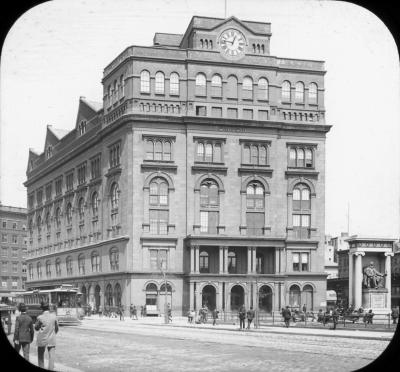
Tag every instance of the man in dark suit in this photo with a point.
(242, 317)
(23, 333)
(286, 314)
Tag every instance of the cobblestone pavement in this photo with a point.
(113, 345)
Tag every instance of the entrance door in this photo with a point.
(237, 297)
(208, 297)
(97, 297)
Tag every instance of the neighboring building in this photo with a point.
(339, 243)
(331, 266)
(13, 233)
(396, 275)
(206, 157)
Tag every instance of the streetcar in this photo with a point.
(63, 300)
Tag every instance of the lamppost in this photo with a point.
(165, 288)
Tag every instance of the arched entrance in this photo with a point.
(294, 296)
(237, 297)
(208, 297)
(162, 299)
(265, 299)
(108, 294)
(117, 295)
(97, 297)
(91, 298)
(308, 297)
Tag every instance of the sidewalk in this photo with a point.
(181, 322)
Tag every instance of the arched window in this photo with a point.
(285, 91)
(49, 151)
(48, 222)
(39, 270)
(58, 267)
(247, 88)
(109, 95)
(203, 262)
(69, 214)
(145, 82)
(231, 262)
(151, 294)
(114, 259)
(174, 84)
(82, 127)
(313, 94)
(294, 296)
(114, 196)
(115, 91)
(159, 211)
(160, 83)
(48, 269)
(81, 264)
(263, 89)
(162, 288)
(301, 211)
(30, 271)
(95, 204)
(216, 86)
(122, 85)
(68, 263)
(299, 95)
(308, 297)
(95, 260)
(201, 85)
(109, 295)
(117, 294)
(39, 225)
(232, 87)
(255, 215)
(81, 209)
(209, 205)
(58, 217)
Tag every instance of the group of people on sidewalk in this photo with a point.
(46, 326)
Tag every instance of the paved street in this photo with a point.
(113, 345)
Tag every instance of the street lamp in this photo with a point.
(165, 289)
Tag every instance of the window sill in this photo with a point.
(264, 169)
(301, 172)
(159, 164)
(113, 171)
(145, 93)
(215, 167)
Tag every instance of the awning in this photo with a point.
(331, 295)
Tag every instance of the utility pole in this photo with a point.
(165, 292)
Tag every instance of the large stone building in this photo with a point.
(13, 226)
(205, 161)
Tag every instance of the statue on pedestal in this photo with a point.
(372, 278)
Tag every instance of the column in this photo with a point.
(221, 260)
(146, 217)
(254, 260)
(255, 295)
(277, 259)
(388, 279)
(226, 260)
(191, 296)
(220, 298)
(249, 254)
(192, 259)
(198, 296)
(197, 259)
(358, 280)
(351, 296)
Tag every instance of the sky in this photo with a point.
(56, 52)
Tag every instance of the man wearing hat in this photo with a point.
(47, 327)
(23, 332)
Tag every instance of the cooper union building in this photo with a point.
(199, 180)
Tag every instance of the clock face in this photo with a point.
(232, 43)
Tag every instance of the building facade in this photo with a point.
(13, 232)
(204, 163)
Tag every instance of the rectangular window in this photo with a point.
(39, 196)
(82, 174)
(14, 225)
(4, 252)
(4, 224)
(216, 112)
(262, 115)
(14, 284)
(158, 222)
(14, 253)
(304, 262)
(115, 155)
(4, 238)
(201, 111)
(15, 239)
(232, 113)
(95, 168)
(247, 114)
(158, 259)
(255, 223)
(58, 185)
(15, 267)
(208, 222)
(4, 284)
(69, 181)
(4, 266)
(296, 261)
(48, 191)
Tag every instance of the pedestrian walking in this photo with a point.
(335, 317)
(121, 312)
(368, 317)
(304, 308)
(131, 311)
(144, 311)
(242, 317)
(395, 314)
(286, 314)
(169, 313)
(47, 327)
(215, 316)
(141, 311)
(250, 316)
(135, 313)
(23, 332)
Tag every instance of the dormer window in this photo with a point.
(49, 151)
(82, 127)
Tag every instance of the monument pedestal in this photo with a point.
(376, 299)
